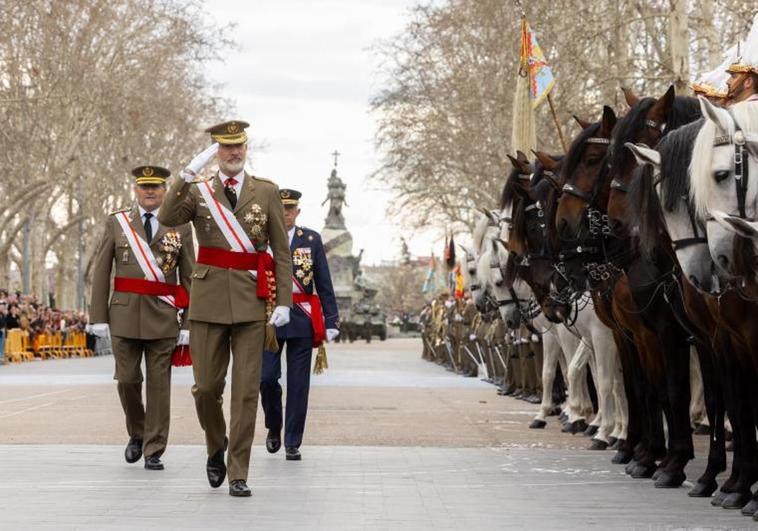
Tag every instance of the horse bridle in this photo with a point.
(741, 165)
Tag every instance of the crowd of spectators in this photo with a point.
(28, 313)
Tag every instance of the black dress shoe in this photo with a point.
(273, 441)
(153, 463)
(216, 469)
(239, 488)
(133, 452)
(293, 454)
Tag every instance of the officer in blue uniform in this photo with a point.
(310, 277)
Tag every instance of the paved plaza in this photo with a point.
(392, 442)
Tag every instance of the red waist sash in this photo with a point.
(142, 286)
(317, 316)
(260, 262)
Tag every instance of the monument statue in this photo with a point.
(336, 198)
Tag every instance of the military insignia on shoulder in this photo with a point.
(310, 238)
(262, 179)
(299, 232)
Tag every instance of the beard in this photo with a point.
(232, 167)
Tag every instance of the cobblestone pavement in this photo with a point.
(392, 442)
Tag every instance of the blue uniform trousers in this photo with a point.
(299, 353)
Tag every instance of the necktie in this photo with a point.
(148, 227)
(229, 192)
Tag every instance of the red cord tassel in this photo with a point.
(181, 356)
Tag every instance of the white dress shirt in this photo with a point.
(153, 221)
(291, 234)
(240, 178)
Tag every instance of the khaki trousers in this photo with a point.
(149, 423)
(210, 345)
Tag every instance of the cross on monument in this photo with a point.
(336, 156)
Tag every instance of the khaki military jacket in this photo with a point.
(132, 315)
(228, 296)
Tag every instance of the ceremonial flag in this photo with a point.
(458, 282)
(534, 65)
(429, 281)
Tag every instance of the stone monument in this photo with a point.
(338, 244)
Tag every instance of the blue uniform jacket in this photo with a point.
(310, 268)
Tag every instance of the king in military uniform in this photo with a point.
(239, 292)
(313, 320)
(147, 260)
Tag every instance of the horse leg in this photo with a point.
(631, 379)
(551, 350)
(714, 405)
(605, 370)
(680, 448)
(576, 377)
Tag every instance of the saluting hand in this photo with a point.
(199, 162)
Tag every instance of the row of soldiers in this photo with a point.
(462, 339)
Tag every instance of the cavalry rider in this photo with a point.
(743, 80)
(313, 320)
(239, 292)
(142, 314)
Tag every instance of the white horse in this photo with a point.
(718, 182)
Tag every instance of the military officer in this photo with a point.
(743, 73)
(313, 319)
(239, 292)
(147, 258)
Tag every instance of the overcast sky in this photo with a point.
(303, 77)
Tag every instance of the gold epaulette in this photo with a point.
(119, 211)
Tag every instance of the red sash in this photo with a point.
(260, 261)
(142, 286)
(316, 315)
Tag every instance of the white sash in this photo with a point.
(225, 220)
(144, 256)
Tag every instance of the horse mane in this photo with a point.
(574, 155)
(479, 232)
(676, 155)
(508, 194)
(644, 209)
(702, 182)
(683, 111)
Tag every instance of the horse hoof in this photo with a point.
(621, 457)
(612, 442)
(667, 480)
(630, 466)
(598, 445)
(702, 429)
(751, 508)
(563, 417)
(703, 489)
(658, 472)
(736, 500)
(537, 424)
(642, 471)
(719, 498)
(591, 431)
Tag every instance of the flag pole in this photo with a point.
(557, 123)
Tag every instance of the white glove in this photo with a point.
(280, 316)
(100, 329)
(331, 334)
(199, 162)
(472, 337)
(535, 338)
(183, 338)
